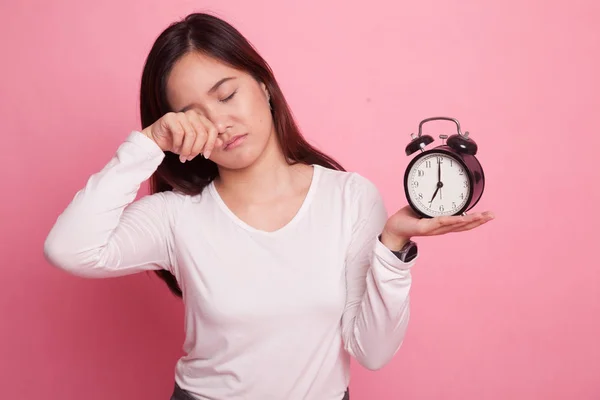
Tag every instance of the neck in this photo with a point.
(270, 176)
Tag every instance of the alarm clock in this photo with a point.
(444, 180)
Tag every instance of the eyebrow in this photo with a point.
(210, 91)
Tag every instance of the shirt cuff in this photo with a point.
(146, 144)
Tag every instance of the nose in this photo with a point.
(222, 124)
(222, 128)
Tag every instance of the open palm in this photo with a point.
(405, 223)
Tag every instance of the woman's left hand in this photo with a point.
(405, 224)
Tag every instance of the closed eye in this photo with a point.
(225, 100)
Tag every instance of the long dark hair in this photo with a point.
(218, 39)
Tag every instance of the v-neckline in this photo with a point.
(301, 210)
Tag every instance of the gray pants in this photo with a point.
(180, 394)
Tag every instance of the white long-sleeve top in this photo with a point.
(268, 315)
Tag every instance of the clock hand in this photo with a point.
(440, 184)
(434, 193)
(439, 187)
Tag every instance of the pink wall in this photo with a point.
(511, 311)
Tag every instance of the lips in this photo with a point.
(234, 141)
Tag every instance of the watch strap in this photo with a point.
(407, 253)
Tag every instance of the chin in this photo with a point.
(237, 160)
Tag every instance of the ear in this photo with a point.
(264, 88)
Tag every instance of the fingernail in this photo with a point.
(182, 159)
(207, 154)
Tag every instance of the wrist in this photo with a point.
(393, 242)
(148, 133)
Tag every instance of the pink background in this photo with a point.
(510, 311)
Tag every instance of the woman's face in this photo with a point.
(232, 100)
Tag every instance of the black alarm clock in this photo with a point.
(444, 180)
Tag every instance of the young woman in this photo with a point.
(287, 264)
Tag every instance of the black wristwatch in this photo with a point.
(407, 253)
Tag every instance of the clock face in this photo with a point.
(438, 185)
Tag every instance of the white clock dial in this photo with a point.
(438, 185)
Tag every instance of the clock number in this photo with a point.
(441, 208)
(415, 184)
(451, 162)
(462, 196)
(440, 160)
(420, 172)
(453, 205)
(428, 164)
(461, 172)
(421, 196)
(465, 184)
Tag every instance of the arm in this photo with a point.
(103, 232)
(378, 284)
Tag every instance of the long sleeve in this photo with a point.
(103, 232)
(378, 283)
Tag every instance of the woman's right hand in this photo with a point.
(185, 133)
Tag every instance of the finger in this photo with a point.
(431, 225)
(173, 130)
(449, 228)
(461, 219)
(196, 122)
(207, 135)
(484, 218)
(211, 138)
(468, 227)
(468, 222)
(188, 138)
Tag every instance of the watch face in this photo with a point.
(438, 184)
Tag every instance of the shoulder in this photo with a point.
(351, 187)
(355, 197)
(347, 180)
